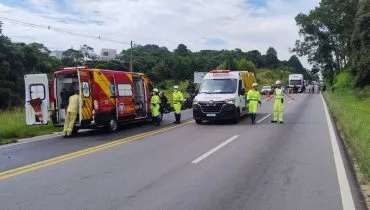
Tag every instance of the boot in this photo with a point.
(179, 119)
(175, 119)
(158, 120)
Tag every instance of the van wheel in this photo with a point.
(198, 121)
(112, 127)
(237, 118)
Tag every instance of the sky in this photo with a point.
(199, 24)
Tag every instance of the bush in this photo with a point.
(343, 80)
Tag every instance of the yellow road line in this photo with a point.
(73, 155)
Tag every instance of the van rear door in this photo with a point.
(86, 102)
(36, 99)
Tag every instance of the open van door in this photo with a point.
(36, 99)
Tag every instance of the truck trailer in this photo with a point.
(298, 81)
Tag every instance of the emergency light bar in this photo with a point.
(220, 71)
(76, 67)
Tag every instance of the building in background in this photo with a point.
(57, 54)
(108, 54)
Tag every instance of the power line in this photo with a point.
(60, 30)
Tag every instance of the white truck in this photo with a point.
(298, 81)
(222, 96)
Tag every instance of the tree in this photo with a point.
(222, 66)
(245, 65)
(326, 33)
(271, 58)
(87, 52)
(361, 45)
(181, 50)
(161, 71)
(256, 57)
(72, 57)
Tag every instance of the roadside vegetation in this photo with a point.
(13, 126)
(335, 37)
(350, 108)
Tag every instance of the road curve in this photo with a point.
(210, 166)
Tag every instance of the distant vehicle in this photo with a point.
(222, 96)
(266, 90)
(107, 98)
(296, 80)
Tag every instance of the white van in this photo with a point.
(222, 96)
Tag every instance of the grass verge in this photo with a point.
(13, 127)
(351, 109)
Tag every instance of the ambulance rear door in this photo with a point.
(36, 99)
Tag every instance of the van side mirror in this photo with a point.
(242, 91)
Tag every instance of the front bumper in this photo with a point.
(227, 112)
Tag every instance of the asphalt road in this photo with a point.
(211, 166)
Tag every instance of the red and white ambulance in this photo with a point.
(107, 97)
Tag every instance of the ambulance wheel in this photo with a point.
(112, 127)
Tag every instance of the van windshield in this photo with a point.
(295, 82)
(214, 86)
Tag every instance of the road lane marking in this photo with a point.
(345, 190)
(30, 141)
(73, 155)
(290, 102)
(215, 149)
(264, 118)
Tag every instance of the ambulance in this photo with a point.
(222, 96)
(107, 98)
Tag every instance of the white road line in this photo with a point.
(215, 149)
(264, 118)
(30, 141)
(345, 190)
(290, 102)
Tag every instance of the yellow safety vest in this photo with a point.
(155, 100)
(253, 95)
(73, 105)
(279, 93)
(177, 97)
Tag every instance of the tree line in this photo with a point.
(336, 37)
(159, 63)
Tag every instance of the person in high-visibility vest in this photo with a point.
(279, 102)
(155, 102)
(72, 111)
(177, 99)
(253, 99)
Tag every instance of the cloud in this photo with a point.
(215, 42)
(229, 24)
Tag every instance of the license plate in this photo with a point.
(211, 115)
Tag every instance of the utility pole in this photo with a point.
(131, 58)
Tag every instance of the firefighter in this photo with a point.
(155, 106)
(72, 111)
(279, 103)
(253, 99)
(178, 99)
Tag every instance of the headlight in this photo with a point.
(230, 101)
(195, 102)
